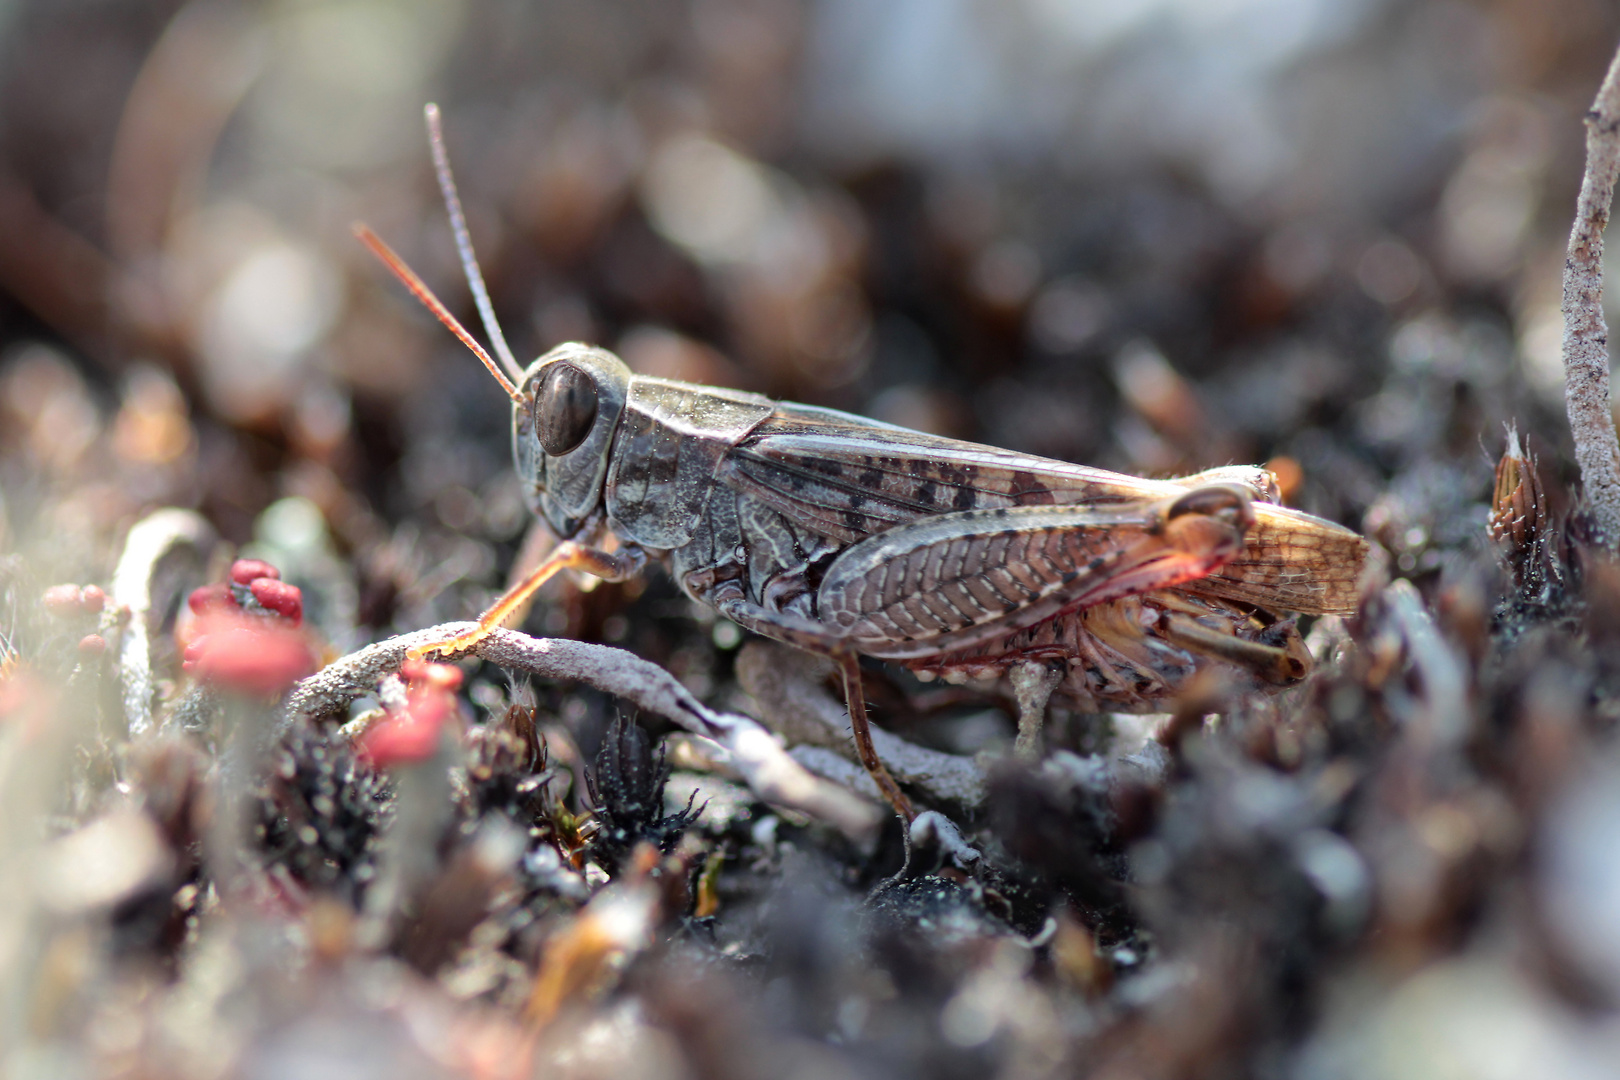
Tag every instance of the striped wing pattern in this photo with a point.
(848, 478)
(961, 580)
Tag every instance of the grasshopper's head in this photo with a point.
(562, 431)
(564, 407)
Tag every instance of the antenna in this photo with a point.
(469, 261)
(419, 290)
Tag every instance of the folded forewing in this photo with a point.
(1292, 561)
(848, 478)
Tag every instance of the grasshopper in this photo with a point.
(849, 537)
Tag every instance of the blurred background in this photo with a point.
(1149, 235)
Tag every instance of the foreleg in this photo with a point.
(618, 565)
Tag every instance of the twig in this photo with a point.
(751, 750)
(1441, 670)
(787, 684)
(933, 827)
(163, 552)
(1586, 336)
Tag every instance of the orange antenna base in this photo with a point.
(419, 289)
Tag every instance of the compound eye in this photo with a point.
(566, 409)
(1225, 501)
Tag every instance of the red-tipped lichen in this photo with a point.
(278, 596)
(244, 571)
(248, 654)
(412, 733)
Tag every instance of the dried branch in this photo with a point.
(164, 552)
(751, 750)
(932, 828)
(788, 684)
(1440, 669)
(1586, 336)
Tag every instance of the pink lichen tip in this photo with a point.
(71, 601)
(249, 655)
(444, 676)
(278, 596)
(412, 734)
(207, 599)
(244, 571)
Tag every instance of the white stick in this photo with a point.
(1586, 336)
(788, 685)
(163, 550)
(751, 750)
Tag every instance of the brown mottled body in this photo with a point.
(849, 537)
(836, 533)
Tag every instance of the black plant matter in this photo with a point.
(627, 790)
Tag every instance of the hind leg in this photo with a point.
(729, 599)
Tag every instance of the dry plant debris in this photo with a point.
(1586, 334)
